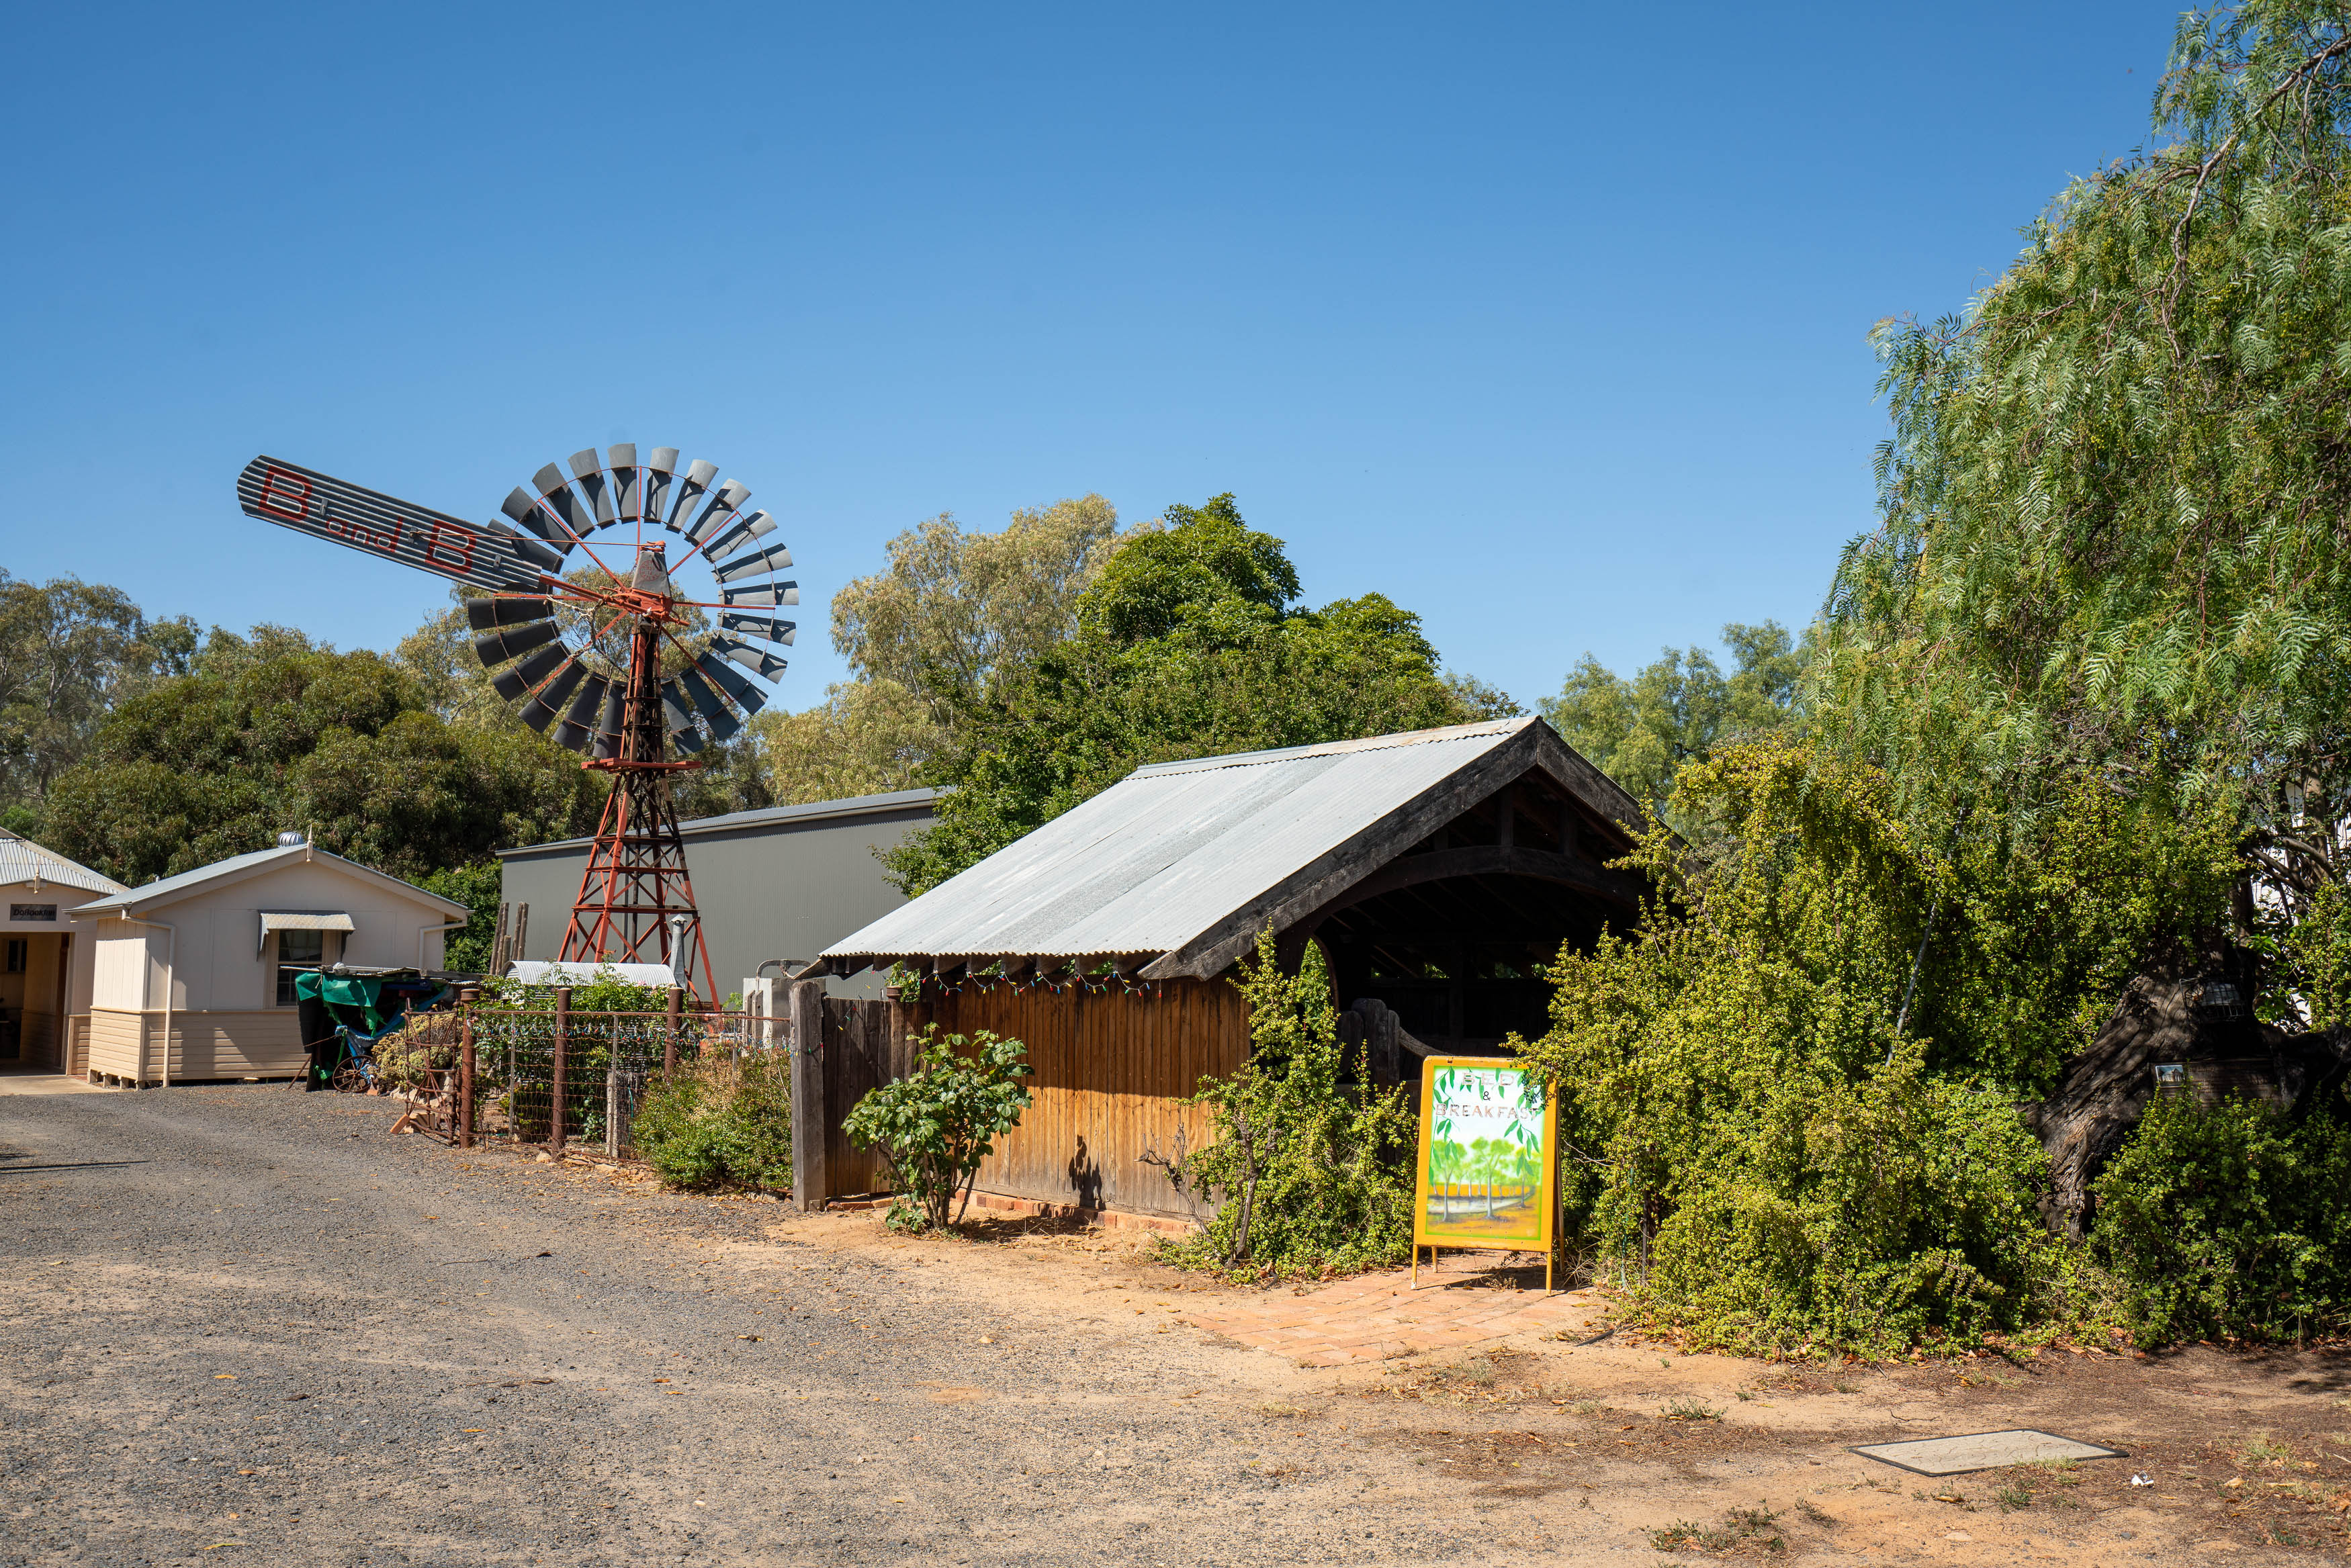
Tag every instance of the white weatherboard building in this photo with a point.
(45, 964)
(194, 973)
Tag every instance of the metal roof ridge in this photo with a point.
(1482, 728)
(807, 811)
(234, 867)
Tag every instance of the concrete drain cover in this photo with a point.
(1981, 1451)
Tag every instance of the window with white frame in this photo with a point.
(298, 953)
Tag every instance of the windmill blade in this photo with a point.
(690, 486)
(538, 552)
(628, 481)
(488, 615)
(758, 660)
(710, 704)
(591, 698)
(723, 504)
(724, 728)
(721, 674)
(661, 469)
(324, 507)
(577, 732)
(498, 647)
(774, 558)
(756, 526)
(523, 507)
(681, 722)
(545, 705)
(765, 593)
(588, 470)
(768, 626)
(675, 713)
(608, 728)
(556, 491)
(518, 677)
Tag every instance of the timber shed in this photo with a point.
(1439, 870)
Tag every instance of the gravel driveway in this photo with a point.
(245, 1325)
(248, 1325)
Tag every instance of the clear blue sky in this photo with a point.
(1547, 322)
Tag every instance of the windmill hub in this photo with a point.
(635, 897)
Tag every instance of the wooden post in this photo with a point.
(562, 1039)
(466, 997)
(676, 1020)
(809, 1129)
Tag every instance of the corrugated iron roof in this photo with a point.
(22, 860)
(1173, 849)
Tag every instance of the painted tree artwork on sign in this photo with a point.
(1486, 1138)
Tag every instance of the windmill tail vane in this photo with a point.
(619, 665)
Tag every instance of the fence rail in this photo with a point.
(554, 1077)
(575, 1082)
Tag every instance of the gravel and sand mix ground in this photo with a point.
(248, 1325)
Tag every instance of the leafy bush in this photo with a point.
(937, 1124)
(720, 1121)
(1775, 1139)
(404, 1057)
(1309, 1174)
(2228, 1221)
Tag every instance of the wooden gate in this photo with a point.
(862, 1051)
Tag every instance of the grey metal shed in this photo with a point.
(782, 883)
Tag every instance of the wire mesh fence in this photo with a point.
(555, 1078)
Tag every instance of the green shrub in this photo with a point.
(1773, 1138)
(938, 1122)
(1309, 1174)
(404, 1056)
(2228, 1221)
(719, 1122)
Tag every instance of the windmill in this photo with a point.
(610, 658)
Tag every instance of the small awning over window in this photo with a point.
(301, 920)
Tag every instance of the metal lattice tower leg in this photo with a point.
(636, 901)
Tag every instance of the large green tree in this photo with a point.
(69, 651)
(955, 613)
(1676, 709)
(1188, 643)
(2114, 501)
(272, 732)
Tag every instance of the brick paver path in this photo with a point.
(1378, 1317)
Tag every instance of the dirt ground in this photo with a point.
(243, 1324)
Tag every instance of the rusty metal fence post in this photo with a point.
(555, 1106)
(676, 1022)
(466, 996)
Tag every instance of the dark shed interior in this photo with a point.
(1454, 933)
